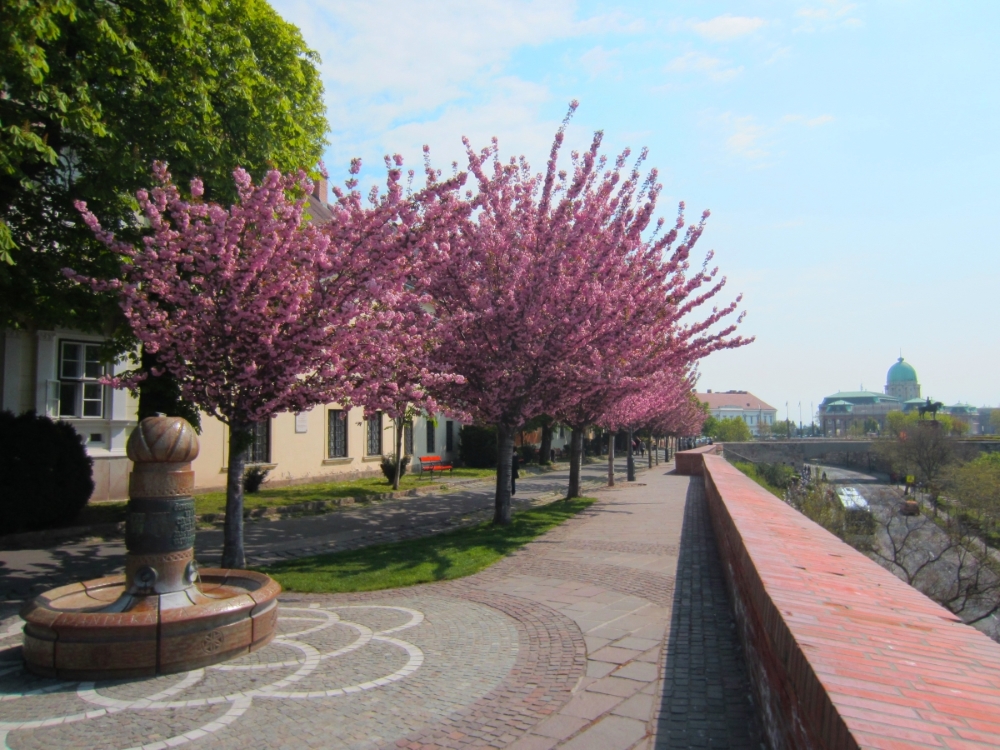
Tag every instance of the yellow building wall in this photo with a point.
(295, 456)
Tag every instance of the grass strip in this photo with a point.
(215, 502)
(454, 554)
(274, 497)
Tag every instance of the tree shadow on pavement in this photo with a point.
(706, 700)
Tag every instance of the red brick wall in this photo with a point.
(842, 653)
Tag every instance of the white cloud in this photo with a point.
(698, 62)
(397, 72)
(745, 137)
(755, 141)
(726, 27)
(599, 60)
(810, 122)
(828, 15)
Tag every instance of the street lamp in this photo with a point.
(630, 473)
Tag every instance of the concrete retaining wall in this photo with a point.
(843, 654)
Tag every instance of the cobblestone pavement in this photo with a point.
(612, 632)
(27, 572)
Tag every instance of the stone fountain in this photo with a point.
(164, 615)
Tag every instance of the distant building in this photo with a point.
(837, 413)
(968, 414)
(841, 411)
(742, 404)
(901, 381)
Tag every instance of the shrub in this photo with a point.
(529, 454)
(46, 476)
(779, 475)
(388, 466)
(253, 477)
(478, 447)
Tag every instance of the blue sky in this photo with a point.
(848, 153)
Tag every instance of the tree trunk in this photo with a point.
(630, 472)
(233, 555)
(649, 452)
(399, 425)
(546, 449)
(611, 459)
(575, 459)
(505, 447)
(656, 442)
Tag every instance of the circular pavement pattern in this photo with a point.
(356, 675)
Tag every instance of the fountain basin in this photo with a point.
(96, 630)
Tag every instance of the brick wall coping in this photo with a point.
(689, 462)
(842, 653)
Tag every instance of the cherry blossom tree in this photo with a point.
(555, 289)
(659, 402)
(255, 311)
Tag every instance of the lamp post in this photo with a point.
(630, 475)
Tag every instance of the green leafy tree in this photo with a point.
(92, 92)
(975, 485)
(709, 426)
(731, 430)
(782, 429)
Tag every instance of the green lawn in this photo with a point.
(215, 502)
(445, 556)
(269, 497)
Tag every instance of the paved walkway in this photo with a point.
(612, 631)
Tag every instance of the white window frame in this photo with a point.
(81, 381)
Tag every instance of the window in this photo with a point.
(337, 434)
(449, 437)
(430, 436)
(374, 430)
(80, 393)
(408, 439)
(259, 451)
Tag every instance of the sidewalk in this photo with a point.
(611, 631)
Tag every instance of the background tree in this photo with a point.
(921, 447)
(975, 487)
(711, 424)
(94, 92)
(731, 430)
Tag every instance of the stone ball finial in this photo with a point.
(163, 440)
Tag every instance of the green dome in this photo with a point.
(901, 372)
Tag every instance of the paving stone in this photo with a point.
(615, 686)
(637, 707)
(599, 669)
(590, 705)
(610, 733)
(638, 670)
(560, 727)
(615, 655)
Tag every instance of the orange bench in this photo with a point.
(434, 463)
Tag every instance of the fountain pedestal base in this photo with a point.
(97, 630)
